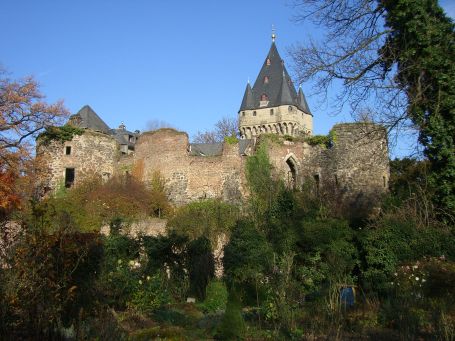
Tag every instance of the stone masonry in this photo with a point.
(355, 164)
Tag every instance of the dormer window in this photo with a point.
(264, 100)
(266, 80)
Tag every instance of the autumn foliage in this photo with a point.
(23, 115)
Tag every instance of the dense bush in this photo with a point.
(50, 282)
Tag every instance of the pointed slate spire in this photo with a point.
(285, 96)
(248, 99)
(303, 105)
(270, 82)
(87, 118)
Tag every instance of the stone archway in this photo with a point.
(292, 171)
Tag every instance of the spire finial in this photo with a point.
(273, 33)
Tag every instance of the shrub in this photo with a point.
(232, 326)
(50, 282)
(216, 297)
(201, 266)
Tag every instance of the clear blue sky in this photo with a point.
(182, 62)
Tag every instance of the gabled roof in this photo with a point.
(87, 118)
(275, 83)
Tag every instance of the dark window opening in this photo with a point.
(336, 180)
(68, 150)
(316, 180)
(271, 111)
(243, 113)
(254, 113)
(290, 108)
(131, 138)
(69, 177)
(384, 180)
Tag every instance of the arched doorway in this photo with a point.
(291, 176)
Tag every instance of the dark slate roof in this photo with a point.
(121, 135)
(206, 149)
(248, 100)
(303, 103)
(278, 88)
(87, 118)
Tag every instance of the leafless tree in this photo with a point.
(225, 127)
(352, 54)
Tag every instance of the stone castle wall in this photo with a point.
(356, 164)
(91, 153)
(188, 177)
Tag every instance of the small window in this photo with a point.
(243, 113)
(254, 113)
(69, 177)
(290, 108)
(264, 97)
(269, 61)
(266, 80)
(316, 180)
(384, 180)
(271, 111)
(68, 150)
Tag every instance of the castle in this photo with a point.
(355, 161)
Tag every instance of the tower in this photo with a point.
(273, 105)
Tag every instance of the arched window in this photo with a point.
(269, 61)
(264, 97)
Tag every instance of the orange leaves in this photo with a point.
(23, 114)
(8, 198)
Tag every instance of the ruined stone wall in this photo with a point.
(360, 161)
(91, 153)
(187, 177)
(355, 168)
(356, 165)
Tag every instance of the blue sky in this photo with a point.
(182, 62)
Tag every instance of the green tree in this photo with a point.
(397, 56)
(247, 255)
(201, 266)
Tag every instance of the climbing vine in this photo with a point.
(62, 134)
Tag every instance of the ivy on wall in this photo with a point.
(62, 134)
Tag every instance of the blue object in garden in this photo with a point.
(347, 296)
